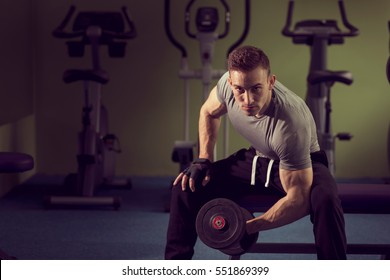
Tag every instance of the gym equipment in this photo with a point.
(328, 78)
(214, 216)
(207, 21)
(97, 147)
(221, 224)
(11, 162)
(388, 60)
(319, 34)
(355, 199)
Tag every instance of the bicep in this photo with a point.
(296, 182)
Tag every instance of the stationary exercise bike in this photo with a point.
(97, 147)
(388, 78)
(388, 60)
(207, 21)
(319, 34)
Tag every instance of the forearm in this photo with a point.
(283, 212)
(208, 132)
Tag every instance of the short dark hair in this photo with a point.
(247, 58)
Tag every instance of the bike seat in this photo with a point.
(323, 76)
(74, 75)
(15, 162)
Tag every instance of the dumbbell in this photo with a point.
(221, 224)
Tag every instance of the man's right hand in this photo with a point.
(198, 173)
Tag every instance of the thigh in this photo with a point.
(231, 177)
(323, 181)
(324, 194)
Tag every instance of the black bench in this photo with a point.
(14, 163)
(355, 199)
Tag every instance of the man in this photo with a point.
(284, 158)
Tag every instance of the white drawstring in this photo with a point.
(253, 174)
(271, 162)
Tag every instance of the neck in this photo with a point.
(265, 106)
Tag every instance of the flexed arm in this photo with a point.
(293, 206)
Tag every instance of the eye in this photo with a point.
(256, 89)
(239, 90)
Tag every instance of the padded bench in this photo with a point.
(355, 199)
(14, 163)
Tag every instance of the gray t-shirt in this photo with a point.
(286, 132)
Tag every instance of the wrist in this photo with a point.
(202, 160)
(206, 156)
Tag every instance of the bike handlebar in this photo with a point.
(171, 38)
(352, 30)
(60, 32)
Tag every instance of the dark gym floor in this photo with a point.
(136, 231)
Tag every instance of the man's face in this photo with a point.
(252, 90)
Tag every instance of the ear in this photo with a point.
(272, 80)
(230, 80)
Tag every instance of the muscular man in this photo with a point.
(284, 158)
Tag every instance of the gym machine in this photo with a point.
(388, 60)
(319, 34)
(97, 147)
(207, 21)
(12, 162)
(388, 78)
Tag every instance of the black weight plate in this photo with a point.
(232, 230)
(246, 241)
(219, 209)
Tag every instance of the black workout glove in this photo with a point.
(198, 170)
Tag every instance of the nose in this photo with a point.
(247, 99)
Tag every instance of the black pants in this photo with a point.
(231, 179)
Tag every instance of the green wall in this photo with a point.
(145, 95)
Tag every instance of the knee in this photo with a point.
(187, 201)
(324, 198)
(325, 205)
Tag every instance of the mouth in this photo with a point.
(248, 107)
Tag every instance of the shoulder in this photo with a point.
(223, 88)
(287, 97)
(291, 107)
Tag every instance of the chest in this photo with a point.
(262, 133)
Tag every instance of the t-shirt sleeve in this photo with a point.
(223, 88)
(293, 148)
